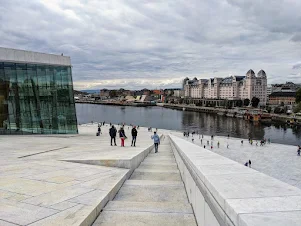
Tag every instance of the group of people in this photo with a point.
(248, 163)
(113, 133)
(262, 142)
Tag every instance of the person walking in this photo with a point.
(250, 163)
(299, 150)
(122, 136)
(218, 144)
(112, 133)
(156, 139)
(98, 131)
(134, 136)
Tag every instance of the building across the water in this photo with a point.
(232, 87)
(283, 98)
(36, 93)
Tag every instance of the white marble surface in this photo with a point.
(45, 189)
(247, 197)
(276, 160)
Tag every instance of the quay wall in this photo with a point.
(223, 192)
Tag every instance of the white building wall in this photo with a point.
(22, 56)
(250, 87)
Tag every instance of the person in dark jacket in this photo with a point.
(134, 136)
(122, 136)
(113, 132)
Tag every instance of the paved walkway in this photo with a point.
(276, 160)
(40, 185)
(154, 195)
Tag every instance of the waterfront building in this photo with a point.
(36, 93)
(283, 98)
(286, 87)
(158, 92)
(178, 93)
(104, 93)
(231, 88)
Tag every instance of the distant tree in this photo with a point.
(298, 96)
(297, 108)
(269, 109)
(255, 101)
(239, 103)
(279, 110)
(113, 93)
(246, 102)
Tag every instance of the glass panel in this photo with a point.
(36, 99)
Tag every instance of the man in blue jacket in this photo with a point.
(156, 139)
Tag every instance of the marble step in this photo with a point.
(152, 191)
(146, 213)
(160, 175)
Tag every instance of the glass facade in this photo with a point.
(36, 99)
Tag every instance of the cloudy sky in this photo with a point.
(156, 43)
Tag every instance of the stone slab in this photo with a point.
(33, 172)
(162, 176)
(113, 218)
(151, 193)
(143, 183)
(158, 167)
(271, 219)
(154, 207)
(4, 223)
(55, 197)
(22, 213)
(245, 196)
(236, 207)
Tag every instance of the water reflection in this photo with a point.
(208, 124)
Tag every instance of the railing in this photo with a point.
(223, 192)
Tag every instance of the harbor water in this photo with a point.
(204, 123)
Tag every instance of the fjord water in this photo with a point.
(209, 124)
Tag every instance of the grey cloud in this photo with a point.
(136, 42)
(297, 66)
(296, 37)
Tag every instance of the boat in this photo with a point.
(265, 118)
(231, 113)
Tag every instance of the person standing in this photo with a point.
(250, 163)
(156, 139)
(134, 136)
(122, 136)
(299, 150)
(112, 133)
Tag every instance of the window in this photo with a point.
(36, 99)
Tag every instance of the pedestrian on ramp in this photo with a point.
(156, 139)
